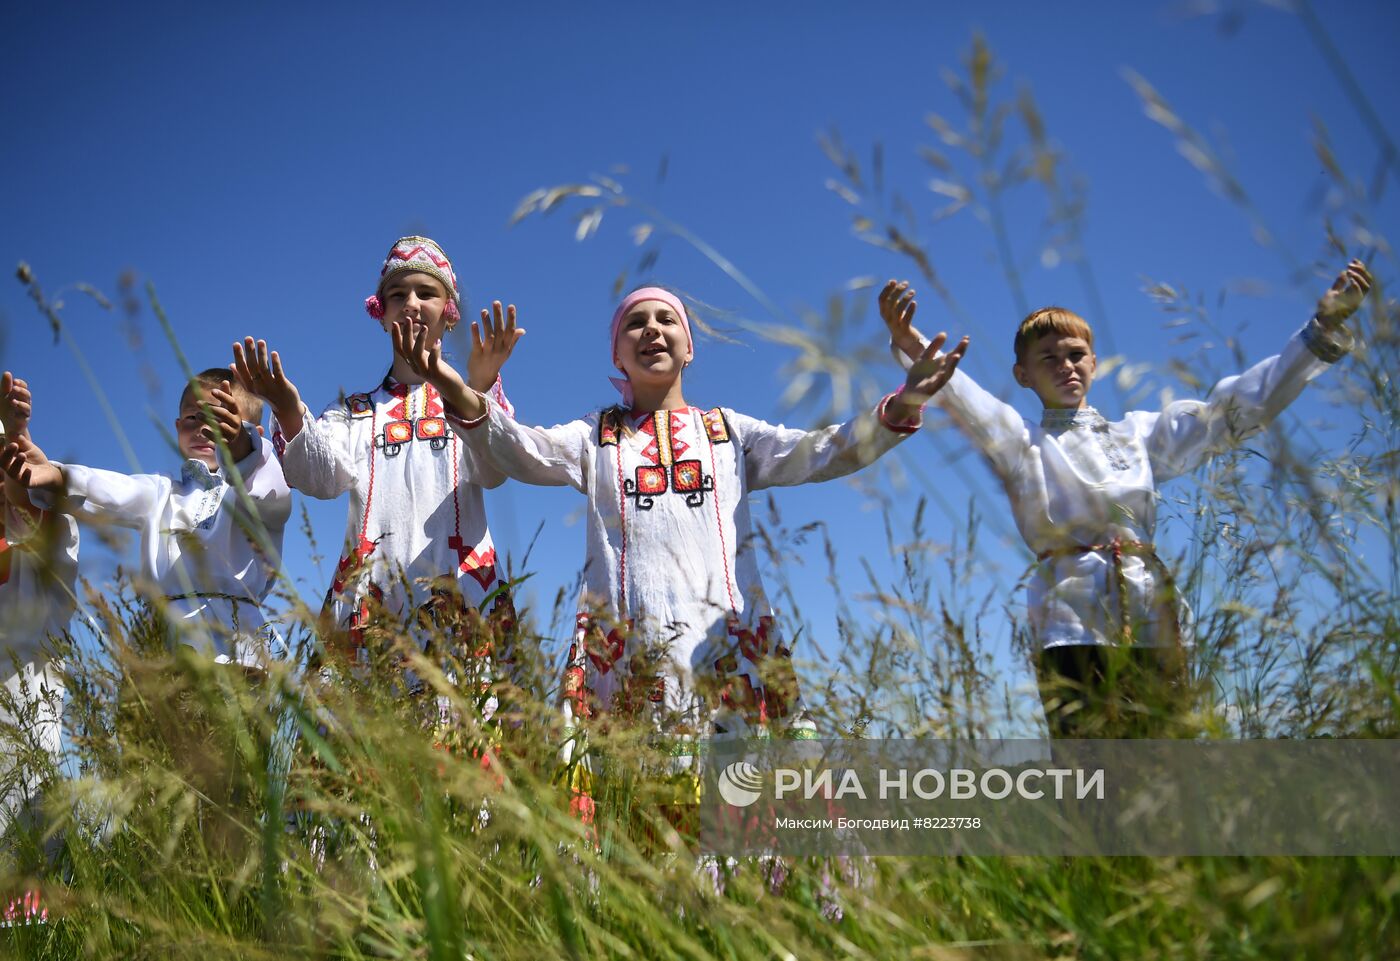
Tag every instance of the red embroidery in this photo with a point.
(776, 673)
(351, 563)
(399, 391)
(651, 480)
(430, 427)
(604, 652)
(360, 618)
(576, 692)
(739, 695)
(432, 401)
(665, 446)
(398, 432)
(609, 430)
(753, 644)
(687, 476)
(715, 426)
(359, 405)
(397, 254)
(481, 566)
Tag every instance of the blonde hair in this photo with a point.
(1050, 320)
(250, 405)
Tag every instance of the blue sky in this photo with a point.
(255, 161)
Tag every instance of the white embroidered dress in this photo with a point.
(417, 514)
(1084, 490)
(211, 553)
(673, 618)
(38, 582)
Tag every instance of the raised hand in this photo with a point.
(425, 359)
(1345, 295)
(926, 377)
(22, 461)
(16, 405)
(260, 372)
(897, 306)
(223, 408)
(493, 339)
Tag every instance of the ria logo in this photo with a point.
(740, 784)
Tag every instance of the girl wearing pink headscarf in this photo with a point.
(673, 620)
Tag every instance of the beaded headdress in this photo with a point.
(417, 254)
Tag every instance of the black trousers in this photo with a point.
(1098, 691)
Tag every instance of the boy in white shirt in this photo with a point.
(1083, 491)
(211, 536)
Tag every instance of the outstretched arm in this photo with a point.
(992, 425)
(926, 377)
(27, 469)
(260, 372)
(1189, 432)
(777, 456)
(1344, 296)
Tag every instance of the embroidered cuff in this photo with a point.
(1328, 344)
(910, 426)
(279, 440)
(457, 419)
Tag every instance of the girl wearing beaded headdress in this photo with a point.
(673, 621)
(417, 546)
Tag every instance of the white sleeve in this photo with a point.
(52, 533)
(318, 461)
(1188, 432)
(547, 456)
(265, 483)
(105, 496)
(993, 426)
(778, 456)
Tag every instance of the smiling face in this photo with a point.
(193, 436)
(652, 345)
(419, 297)
(1059, 368)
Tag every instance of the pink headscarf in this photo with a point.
(623, 385)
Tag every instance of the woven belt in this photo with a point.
(1116, 548)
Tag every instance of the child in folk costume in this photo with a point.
(38, 575)
(211, 535)
(673, 621)
(1083, 491)
(416, 536)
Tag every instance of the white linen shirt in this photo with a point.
(416, 513)
(1076, 480)
(669, 549)
(213, 555)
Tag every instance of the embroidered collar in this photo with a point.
(196, 473)
(394, 387)
(1069, 418)
(638, 416)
